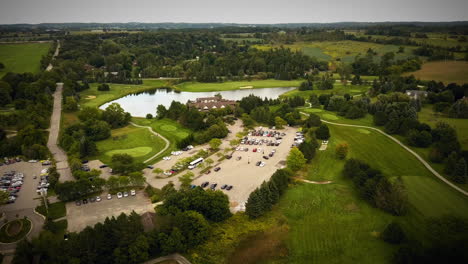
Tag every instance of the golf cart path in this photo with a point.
(312, 182)
(406, 148)
(177, 257)
(158, 135)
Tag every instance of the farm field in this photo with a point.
(137, 142)
(24, 57)
(234, 85)
(168, 128)
(446, 72)
(94, 98)
(345, 50)
(338, 89)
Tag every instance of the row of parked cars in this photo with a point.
(213, 186)
(266, 133)
(108, 196)
(43, 184)
(11, 183)
(267, 142)
(298, 139)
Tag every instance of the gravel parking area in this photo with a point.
(91, 213)
(27, 194)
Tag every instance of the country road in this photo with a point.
(50, 66)
(60, 156)
(158, 135)
(406, 148)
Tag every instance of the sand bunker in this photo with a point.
(246, 87)
(90, 97)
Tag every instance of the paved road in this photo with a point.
(177, 257)
(59, 155)
(158, 135)
(406, 148)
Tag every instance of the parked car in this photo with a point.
(98, 198)
(217, 169)
(109, 196)
(262, 164)
(213, 186)
(258, 163)
(103, 166)
(203, 185)
(150, 167)
(125, 194)
(228, 156)
(208, 172)
(224, 186)
(119, 195)
(85, 201)
(92, 199)
(266, 157)
(254, 150)
(132, 192)
(78, 203)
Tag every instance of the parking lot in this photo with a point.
(27, 194)
(91, 213)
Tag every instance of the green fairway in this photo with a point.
(137, 142)
(22, 57)
(211, 87)
(168, 128)
(94, 98)
(338, 89)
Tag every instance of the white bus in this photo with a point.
(194, 163)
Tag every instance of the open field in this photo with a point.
(461, 125)
(137, 142)
(23, 57)
(338, 89)
(446, 72)
(344, 50)
(168, 128)
(210, 87)
(94, 98)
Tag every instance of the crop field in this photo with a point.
(22, 57)
(345, 50)
(168, 128)
(137, 142)
(234, 85)
(338, 89)
(94, 98)
(444, 71)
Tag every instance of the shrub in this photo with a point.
(393, 234)
(322, 132)
(341, 150)
(149, 116)
(103, 87)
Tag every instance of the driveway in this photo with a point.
(91, 213)
(59, 155)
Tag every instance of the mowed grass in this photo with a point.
(234, 85)
(24, 57)
(137, 142)
(173, 131)
(338, 89)
(94, 98)
(444, 71)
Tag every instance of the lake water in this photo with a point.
(146, 102)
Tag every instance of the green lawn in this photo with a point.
(168, 128)
(25, 227)
(135, 141)
(211, 87)
(56, 210)
(22, 57)
(338, 89)
(94, 98)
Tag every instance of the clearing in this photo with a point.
(338, 89)
(24, 57)
(444, 71)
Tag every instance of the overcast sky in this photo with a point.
(233, 11)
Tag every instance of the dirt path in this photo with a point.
(406, 148)
(60, 156)
(313, 182)
(50, 66)
(158, 135)
(177, 257)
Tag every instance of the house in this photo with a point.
(208, 103)
(416, 94)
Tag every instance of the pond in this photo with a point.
(143, 103)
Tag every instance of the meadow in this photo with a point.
(24, 57)
(94, 98)
(234, 85)
(137, 142)
(444, 71)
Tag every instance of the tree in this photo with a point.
(124, 163)
(4, 197)
(308, 148)
(322, 132)
(186, 179)
(312, 120)
(103, 87)
(161, 112)
(279, 122)
(254, 206)
(459, 173)
(149, 116)
(158, 171)
(215, 143)
(138, 250)
(116, 116)
(451, 163)
(341, 150)
(295, 159)
(247, 120)
(393, 233)
(193, 227)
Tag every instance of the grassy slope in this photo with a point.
(338, 89)
(447, 72)
(160, 126)
(116, 91)
(139, 142)
(22, 57)
(210, 87)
